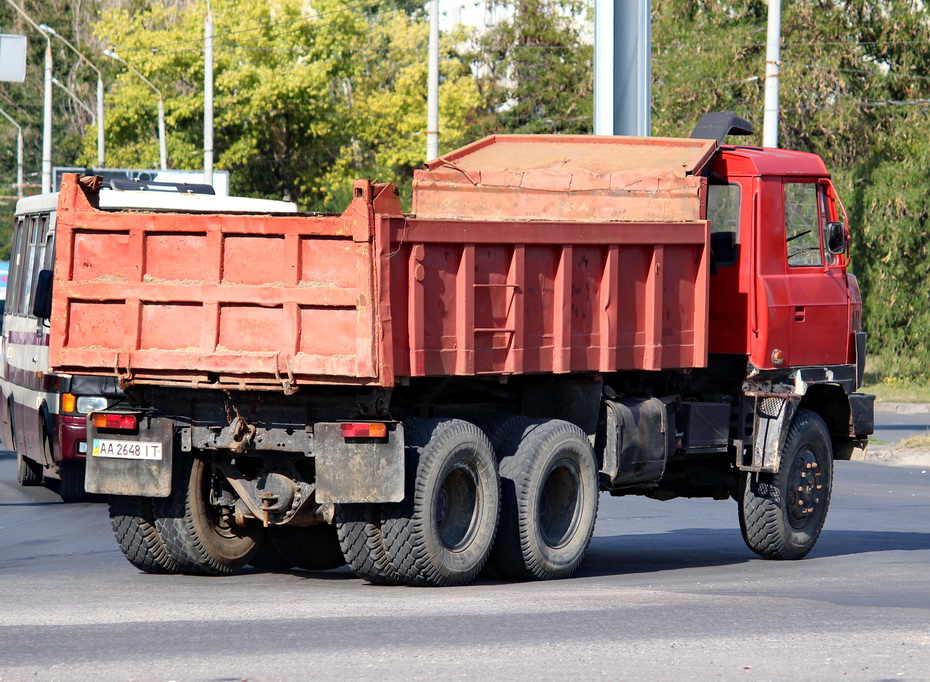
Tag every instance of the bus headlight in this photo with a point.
(87, 404)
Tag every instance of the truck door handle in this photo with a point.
(799, 314)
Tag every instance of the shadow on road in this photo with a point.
(703, 548)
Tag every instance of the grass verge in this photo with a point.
(891, 388)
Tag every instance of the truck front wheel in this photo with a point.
(199, 535)
(441, 534)
(782, 513)
(549, 498)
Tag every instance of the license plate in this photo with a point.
(126, 449)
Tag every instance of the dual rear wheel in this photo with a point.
(522, 495)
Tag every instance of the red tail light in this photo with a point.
(124, 422)
(363, 430)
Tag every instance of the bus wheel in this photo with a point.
(28, 471)
(199, 535)
(72, 473)
(549, 501)
(134, 526)
(782, 513)
(441, 534)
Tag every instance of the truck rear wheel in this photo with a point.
(134, 526)
(312, 548)
(28, 471)
(549, 499)
(782, 513)
(198, 535)
(441, 534)
(362, 542)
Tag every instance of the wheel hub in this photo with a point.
(805, 488)
(457, 507)
(559, 504)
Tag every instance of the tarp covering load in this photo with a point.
(565, 177)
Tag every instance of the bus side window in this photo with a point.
(34, 256)
(14, 287)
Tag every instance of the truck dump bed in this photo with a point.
(526, 254)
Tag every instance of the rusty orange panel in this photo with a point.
(225, 299)
(173, 256)
(532, 296)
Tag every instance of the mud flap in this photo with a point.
(111, 475)
(772, 418)
(354, 470)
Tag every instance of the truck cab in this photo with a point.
(780, 289)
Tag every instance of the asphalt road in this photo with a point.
(668, 592)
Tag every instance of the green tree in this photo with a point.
(386, 124)
(535, 71)
(279, 101)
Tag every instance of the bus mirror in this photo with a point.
(836, 238)
(42, 306)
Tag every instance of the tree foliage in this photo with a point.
(535, 71)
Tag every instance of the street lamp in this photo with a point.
(100, 144)
(47, 107)
(19, 154)
(162, 149)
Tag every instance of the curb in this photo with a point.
(903, 408)
(892, 456)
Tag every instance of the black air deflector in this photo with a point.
(716, 125)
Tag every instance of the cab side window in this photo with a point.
(803, 224)
(723, 204)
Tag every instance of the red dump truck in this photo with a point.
(427, 395)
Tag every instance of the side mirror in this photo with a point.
(42, 305)
(836, 238)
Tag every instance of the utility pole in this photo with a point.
(19, 154)
(622, 67)
(208, 97)
(47, 104)
(101, 155)
(772, 77)
(432, 85)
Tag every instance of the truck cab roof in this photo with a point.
(767, 161)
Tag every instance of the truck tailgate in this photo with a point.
(247, 301)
